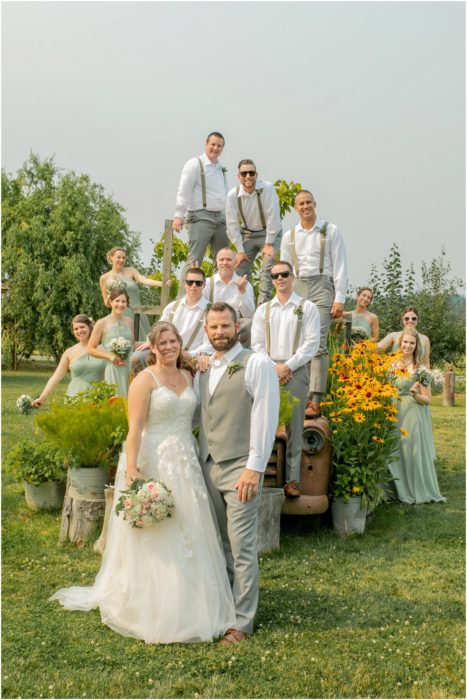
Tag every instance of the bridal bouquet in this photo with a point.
(120, 346)
(24, 404)
(115, 282)
(145, 502)
(428, 378)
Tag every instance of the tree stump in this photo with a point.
(269, 519)
(81, 514)
(99, 545)
(449, 389)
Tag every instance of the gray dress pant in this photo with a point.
(320, 290)
(204, 228)
(253, 242)
(297, 386)
(238, 528)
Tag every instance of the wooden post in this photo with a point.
(449, 389)
(166, 269)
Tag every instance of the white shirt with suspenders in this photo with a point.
(319, 250)
(255, 211)
(217, 290)
(202, 185)
(189, 321)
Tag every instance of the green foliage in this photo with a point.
(89, 429)
(286, 192)
(57, 228)
(441, 308)
(35, 462)
(286, 406)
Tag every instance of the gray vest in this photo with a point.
(225, 416)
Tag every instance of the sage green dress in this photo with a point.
(84, 370)
(416, 480)
(359, 321)
(131, 287)
(113, 374)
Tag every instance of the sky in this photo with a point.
(363, 103)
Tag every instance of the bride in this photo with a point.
(167, 582)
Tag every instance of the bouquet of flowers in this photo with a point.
(24, 404)
(145, 502)
(120, 346)
(358, 334)
(115, 282)
(428, 378)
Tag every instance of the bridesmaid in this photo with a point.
(126, 278)
(414, 472)
(115, 325)
(409, 318)
(84, 368)
(362, 318)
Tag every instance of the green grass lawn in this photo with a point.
(380, 615)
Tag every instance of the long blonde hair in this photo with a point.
(417, 352)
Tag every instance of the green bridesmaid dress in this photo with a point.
(84, 370)
(359, 321)
(131, 287)
(416, 480)
(113, 374)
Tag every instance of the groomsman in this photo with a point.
(200, 204)
(316, 250)
(287, 329)
(226, 285)
(254, 224)
(239, 396)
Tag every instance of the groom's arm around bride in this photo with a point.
(239, 396)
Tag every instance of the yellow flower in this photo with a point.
(358, 417)
(356, 489)
(377, 439)
(404, 433)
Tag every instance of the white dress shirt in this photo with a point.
(283, 320)
(307, 247)
(185, 320)
(244, 304)
(190, 193)
(270, 202)
(262, 384)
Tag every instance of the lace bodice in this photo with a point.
(170, 414)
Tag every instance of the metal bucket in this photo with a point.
(46, 496)
(87, 483)
(348, 518)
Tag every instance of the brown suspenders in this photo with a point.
(203, 182)
(322, 243)
(260, 207)
(298, 329)
(198, 325)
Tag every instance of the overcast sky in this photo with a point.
(361, 102)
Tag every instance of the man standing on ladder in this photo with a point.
(316, 250)
(254, 224)
(200, 205)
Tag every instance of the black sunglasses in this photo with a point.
(190, 283)
(244, 173)
(284, 275)
(410, 318)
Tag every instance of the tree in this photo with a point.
(57, 228)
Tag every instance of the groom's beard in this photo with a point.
(224, 344)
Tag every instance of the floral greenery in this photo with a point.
(89, 430)
(35, 462)
(362, 415)
(286, 406)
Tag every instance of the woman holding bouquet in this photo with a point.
(128, 278)
(84, 368)
(414, 470)
(362, 318)
(115, 333)
(409, 318)
(166, 582)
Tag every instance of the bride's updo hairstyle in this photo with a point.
(118, 291)
(112, 251)
(184, 360)
(83, 318)
(416, 353)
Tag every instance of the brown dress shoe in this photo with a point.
(291, 489)
(233, 636)
(312, 409)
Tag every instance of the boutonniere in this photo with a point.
(233, 367)
(298, 311)
(259, 190)
(324, 229)
(224, 170)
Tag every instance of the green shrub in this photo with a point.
(35, 462)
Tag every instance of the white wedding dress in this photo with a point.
(167, 582)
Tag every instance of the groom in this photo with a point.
(239, 397)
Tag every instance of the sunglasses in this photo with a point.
(244, 173)
(190, 283)
(410, 318)
(284, 275)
